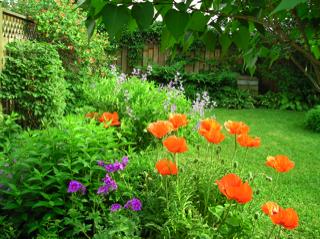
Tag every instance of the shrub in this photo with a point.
(234, 99)
(313, 119)
(37, 168)
(137, 102)
(33, 81)
(8, 128)
(63, 25)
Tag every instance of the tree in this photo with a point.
(258, 28)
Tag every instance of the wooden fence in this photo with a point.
(151, 54)
(13, 26)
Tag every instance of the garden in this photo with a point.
(161, 119)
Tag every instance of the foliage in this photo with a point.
(33, 81)
(138, 102)
(62, 24)
(8, 128)
(313, 119)
(194, 83)
(36, 170)
(267, 29)
(234, 99)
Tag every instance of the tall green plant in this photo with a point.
(33, 80)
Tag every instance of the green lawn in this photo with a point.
(281, 132)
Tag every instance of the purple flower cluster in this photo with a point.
(133, 204)
(115, 207)
(75, 186)
(116, 166)
(109, 184)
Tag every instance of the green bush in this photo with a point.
(8, 128)
(234, 99)
(137, 102)
(33, 81)
(36, 170)
(194, 83)
(313, 119)
(63, 25)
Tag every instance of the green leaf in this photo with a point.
(241, 38)
(115, 19)
(97, 5)
(90, 23)
(163, 6)
(315, 50)
(198, 22)
(176, 23)
(143, 13)
(209, 38)
(250, 58)
(167, 40)
(287, 5)
(188, 40)
(225, 43)
(80, 2)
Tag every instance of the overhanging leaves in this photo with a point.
(143, 13)
(241, 38)
(287, 5)
(115, 19)
(176, 23)
(210, 39)
(198, 22)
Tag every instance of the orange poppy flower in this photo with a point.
(288, 218)
(178, 120)
(234, 127)
(270, 208)
(208, 125)
(160, 128)
(214, 136)
(175, 144)
(281, 163)
(247, 141)
(166, 167)
(233, 188)
(211, 130)
(92, 115)
(109, 119)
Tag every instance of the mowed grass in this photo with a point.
(281, 132)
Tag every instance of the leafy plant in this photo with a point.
(138, 102)
(312, 120)
(39, 165)
(63, 25)
(33, 80)
(234, 99)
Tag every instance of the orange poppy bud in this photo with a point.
(270, 208)
(233, 188)
(175, 144)
(160, 128)
(92, 115)
(178, 120)
(281, 163)
(247, 141)
(109, 119)
(234, 127)
(166, 167)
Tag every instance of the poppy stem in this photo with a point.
(235, 148)
(175, 159)
(272, 230)
(225, 216)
